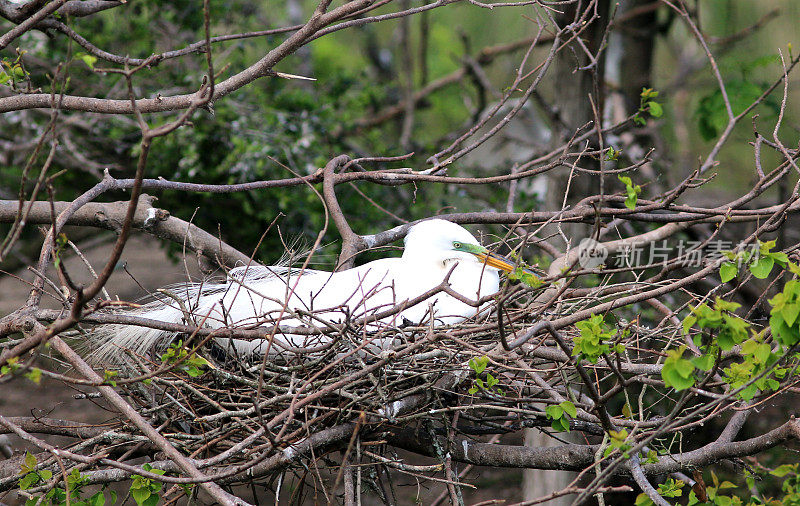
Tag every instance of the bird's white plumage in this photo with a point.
(256, 296)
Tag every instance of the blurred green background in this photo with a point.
(278, 128)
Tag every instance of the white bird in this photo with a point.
(254, 296)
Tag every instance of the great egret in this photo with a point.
(256, 296)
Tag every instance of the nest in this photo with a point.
(310, 392)
(270, 413)
(435, 391)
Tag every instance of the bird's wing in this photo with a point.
(366, 288)
(256, 272)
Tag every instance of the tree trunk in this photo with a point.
(578, 79)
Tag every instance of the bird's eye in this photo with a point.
(457, 245)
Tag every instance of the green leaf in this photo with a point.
(29, 463)
(749, 346)
(791, 290)
(569, 408)
(684, 367)
(554, 411)
(748, 393)
(655, 109)
(97, 500)
(787, 335)
(728, 271)
(649, 93)
(783, 470)
(140, 495)
(618, 436)
(733, 332)
(778, 301)
(671, 488)
(589, 344)
(35, 375)
(762, 353)
(28, 481)
(560, 424)
(88, 59)
(725, 305)
(630, 201)
(790, 312)
(678, 372)
(632, 191)
(627, 412)
(479, 364)
(704, 362)
(780, 257)
(725, 341)
(528, 279)
(152, 500)
(688, 323)
(766, 246)
(762, 267)
(613, 154)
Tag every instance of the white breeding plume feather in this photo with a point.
(264, 296)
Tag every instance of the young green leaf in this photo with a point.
(569, 408)
(704, 362)
(554, 411)
(560, 424)
(655, 109)
(88, 59)
(790, 311)
(632, 192)
(677, 372)
(479, 364)
(762, 266)
(35, 375)
(783, 470)
(728, 271)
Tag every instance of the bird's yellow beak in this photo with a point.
(500, 262)
(495, 260)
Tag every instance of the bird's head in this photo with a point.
(443, 241)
